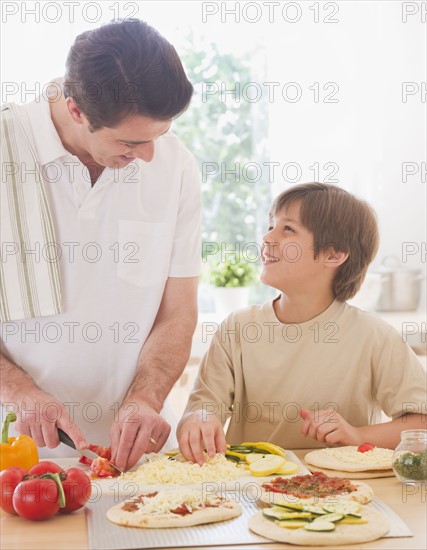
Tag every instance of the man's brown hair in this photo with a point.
(339, 220)
(125, 68)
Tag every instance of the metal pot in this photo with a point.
(401, 288)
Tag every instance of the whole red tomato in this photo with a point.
(36, 499)
(77, 488)
(9, 479)
(44, 467)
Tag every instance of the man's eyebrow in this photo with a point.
(140, 142)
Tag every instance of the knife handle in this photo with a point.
(65, 438)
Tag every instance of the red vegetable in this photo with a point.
(38, 499)
(101, 467)
(103, 452)
(9, 479)
(44, 467)
(77, 488)
(365, 447)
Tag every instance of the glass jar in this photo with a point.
(409, 460)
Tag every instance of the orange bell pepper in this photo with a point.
(16, 451)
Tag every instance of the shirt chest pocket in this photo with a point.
(144, 252)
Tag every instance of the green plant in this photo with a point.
(232, 273)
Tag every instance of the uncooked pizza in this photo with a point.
(364, 458)
(313, 488)
(345, 522)
(173, 508)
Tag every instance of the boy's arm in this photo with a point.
(210, 403)
(332, 429)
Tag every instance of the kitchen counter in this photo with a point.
(70, 531)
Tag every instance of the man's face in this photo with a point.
(132, 139)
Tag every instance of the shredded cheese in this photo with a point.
(161, 469)
(168, 500)
(375, 457)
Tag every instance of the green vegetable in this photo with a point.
(412, 465)
(320, 525)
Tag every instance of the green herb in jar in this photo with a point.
(412, 465)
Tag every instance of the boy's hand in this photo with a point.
(329, 427)
(198, 431)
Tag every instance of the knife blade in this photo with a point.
(66, 439)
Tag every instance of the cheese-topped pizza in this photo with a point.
(314, 488)
(351, 458)
(173, 508)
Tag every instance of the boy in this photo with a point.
(307, 370)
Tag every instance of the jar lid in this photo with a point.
(414, 434)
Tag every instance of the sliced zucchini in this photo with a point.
(292, 506)
(351, 520)
(344, 507)
(291, 524)
(314, 509)
(279, 513)
(320, 525)
(330, 517)
(234, 458)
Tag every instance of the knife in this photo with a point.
(66, 439)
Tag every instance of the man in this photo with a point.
(122, 195)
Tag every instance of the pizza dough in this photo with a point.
(154, 510)
(367, 474)
(348, 459)
(376, 528)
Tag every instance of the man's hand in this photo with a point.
(329, 427)
(42, 416)
(197, 431)
(138, 429)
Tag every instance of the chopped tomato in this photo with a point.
(365, 447)
(104, 452)
(101, 467)
(182, 510)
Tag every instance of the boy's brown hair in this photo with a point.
(340, 220)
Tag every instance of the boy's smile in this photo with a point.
(288, 255)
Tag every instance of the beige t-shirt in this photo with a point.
(261, 372)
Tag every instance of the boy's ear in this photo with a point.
(335, 258)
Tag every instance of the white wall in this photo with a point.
(370, 132)
(368, 53)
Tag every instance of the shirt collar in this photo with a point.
(47, 141)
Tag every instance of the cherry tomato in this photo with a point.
(77, 488)
(44, 467)
(36, 499)
(365, 447)
(9, 479)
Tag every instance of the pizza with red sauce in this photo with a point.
(316, 487)
(173, 508)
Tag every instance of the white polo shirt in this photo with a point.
(117, 243)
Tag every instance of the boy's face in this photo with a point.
(288, 256)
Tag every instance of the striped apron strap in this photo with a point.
(29, 268)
